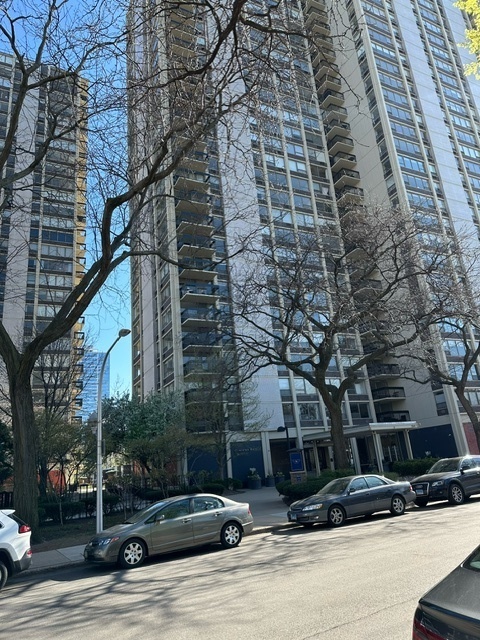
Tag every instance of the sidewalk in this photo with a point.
(268, 509)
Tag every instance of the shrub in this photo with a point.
(51, 510)
(413, 468)
(214, 487)
(302, 490)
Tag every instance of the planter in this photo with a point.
(279, 478)
(254, 483)
(269, 481)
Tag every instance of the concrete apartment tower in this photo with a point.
(385, 112)
(42, 235)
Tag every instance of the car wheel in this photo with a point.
(231, 535)
(421, 502)
(397, 507)
(132, 554)
(3, 574)
(336, 516)
(456, 495)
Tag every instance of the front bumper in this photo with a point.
(102, 554)
(318, 515)
(426, 491)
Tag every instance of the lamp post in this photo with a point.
(285, 428)
(99, 519)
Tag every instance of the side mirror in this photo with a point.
(159, 518)
(352, 490)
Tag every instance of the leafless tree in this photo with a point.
(81, 59)
(328, 307)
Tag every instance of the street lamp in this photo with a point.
(121, 334)
(285, 428)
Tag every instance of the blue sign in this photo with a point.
(296, 461)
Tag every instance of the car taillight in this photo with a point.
(24, 528)
(420, 632)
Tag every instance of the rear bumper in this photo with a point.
(23, 563)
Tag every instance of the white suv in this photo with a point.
(15, 551)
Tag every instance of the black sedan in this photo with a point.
(452, 479)
(450, 610)
(349, 497)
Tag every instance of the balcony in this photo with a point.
(346, 177)
(191, 179)
(388, 393)
(200, 316)
(196, 223)
(337, 127)
(197, 268)
(383, 370)
(200, 246)
(196, 340)
(186, 201)
(393, 416)
(342, 161)
(340, 144)
(330, 98)
(349, 195)
(206, 293)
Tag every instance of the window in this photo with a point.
(359, 484)
(373, 481)
(178, 509)
(206, 504)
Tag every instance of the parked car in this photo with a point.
(15, 550)
(452, 479)
(170, 525)
(450, 610)
(352, 496)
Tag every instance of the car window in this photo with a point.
(206, 504)
(374, 481)
(467, 464)
(446, 464)
(477, 462)
(335, 487)
(175, 510)
(357, 484)
(473, 562)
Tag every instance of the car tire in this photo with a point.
(336, 515)
(231, 535)
(456, 494)
(397, 507)
(3, 574)
(132, 554)
(421, 502)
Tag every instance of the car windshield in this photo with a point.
(144, 513)
(335, 486)
(447, 464)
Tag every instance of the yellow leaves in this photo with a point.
(472, 8)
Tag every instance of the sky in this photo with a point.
(103, 320)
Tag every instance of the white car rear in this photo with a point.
(15, 550)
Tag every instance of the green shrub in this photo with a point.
(214, 487)
(89, 503)
(57, 510)
(413, 468)
(302, 490)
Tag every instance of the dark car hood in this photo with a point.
(458, 592)
(313, 500)
(431, 477)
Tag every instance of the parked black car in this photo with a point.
(450, 610)
(452, 479)
(351, 496)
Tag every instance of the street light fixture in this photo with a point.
(99, 514)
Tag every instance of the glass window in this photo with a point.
(206, 504)
(178, 509)
(358, 484)
(374, 481)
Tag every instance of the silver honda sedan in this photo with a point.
(170, 525)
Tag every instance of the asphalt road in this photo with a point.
(358, 582)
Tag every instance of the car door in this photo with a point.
(380, 493)
(171, 527)
(207, 518)
(358, 500)
(470, 475)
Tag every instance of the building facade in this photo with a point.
(92, 364)
(382, 108)
(42, 235)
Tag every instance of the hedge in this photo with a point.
(416, 467)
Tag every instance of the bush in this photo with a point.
(51, 510)
(304, 489)
(413, 468)
(214, 487)
(89, 503)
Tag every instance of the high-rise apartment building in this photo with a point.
(384, 111)
(92, 364)
(42, 235)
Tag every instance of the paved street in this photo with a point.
(359, 582)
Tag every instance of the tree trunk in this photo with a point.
(471, 413)
(342, 460)
(25, 491)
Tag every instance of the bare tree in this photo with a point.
(327, 308)
(79, 58)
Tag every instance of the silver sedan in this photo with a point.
(170, 525)
(352, 496)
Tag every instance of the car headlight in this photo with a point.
(311, 507)
(438, 483)
(103, 541)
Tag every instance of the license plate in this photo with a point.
(419, 492)
(293, 516)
